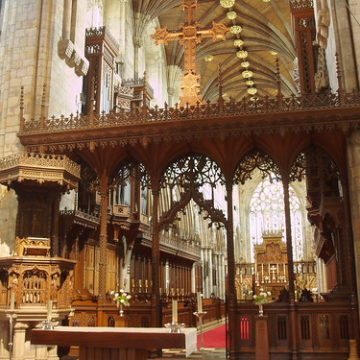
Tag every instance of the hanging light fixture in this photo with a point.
(266, 1)
(245, 64)
(242, 54)
(236, 29)
(251, 91)
(250, 82)
(209, 58)
(231, 15)
(227, 3)
(238, 42)
(247, 74)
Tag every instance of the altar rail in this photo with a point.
(247, 106)
(323, 330)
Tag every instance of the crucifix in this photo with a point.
(189, 36)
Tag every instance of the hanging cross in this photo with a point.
(189, 36)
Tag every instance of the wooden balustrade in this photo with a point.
(323, 330)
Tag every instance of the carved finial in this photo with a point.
(145, 91)
(339, 74)
(278, 77)
(43, 97)
(220, 83)
(21, 107)
(91, 97)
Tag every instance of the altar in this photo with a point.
(109, 343)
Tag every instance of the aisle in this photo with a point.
(214, 338)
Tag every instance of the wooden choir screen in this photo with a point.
(320, 330)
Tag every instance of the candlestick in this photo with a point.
(174, 311)
(199, 302)
(12, 300)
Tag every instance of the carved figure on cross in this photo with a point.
(189, 36)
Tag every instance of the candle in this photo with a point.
(199, 302)
(12, 300)
(174, 311)
(49, 310)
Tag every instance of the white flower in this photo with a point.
(116, 294)
(128, 296)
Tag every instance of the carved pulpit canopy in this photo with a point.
(39, 168)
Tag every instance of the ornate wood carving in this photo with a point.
(39, 168)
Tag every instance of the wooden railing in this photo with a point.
(269, 105)
(323, 330)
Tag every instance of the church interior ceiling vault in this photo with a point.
(267, 35)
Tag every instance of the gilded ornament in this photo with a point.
(247, 74)
(251, 91)
(238, 42)
(245, 64)
(236, 29)
(231, 15)
(227, 3)
(242, 54)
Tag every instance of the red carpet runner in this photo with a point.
(214, 338)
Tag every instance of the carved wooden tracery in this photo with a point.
(189, 175)
(256, 160)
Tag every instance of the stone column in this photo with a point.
(19, 341)
(137, 45)
(4, 339)
(171, 93)
(211, 280)
(66, 19)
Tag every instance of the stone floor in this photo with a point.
(205, 353)
(169, 354)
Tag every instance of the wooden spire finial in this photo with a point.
(220, 82)
(43, 97)
(339, 73)
(278, 76)
(21, 115)
(145, 90)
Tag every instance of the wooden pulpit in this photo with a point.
(109, 343)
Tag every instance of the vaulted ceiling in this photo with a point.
(267, 35)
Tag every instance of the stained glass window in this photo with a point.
(267, 215)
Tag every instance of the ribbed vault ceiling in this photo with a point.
(267, 29)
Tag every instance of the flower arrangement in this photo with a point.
(263, 297)
(121, 298)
